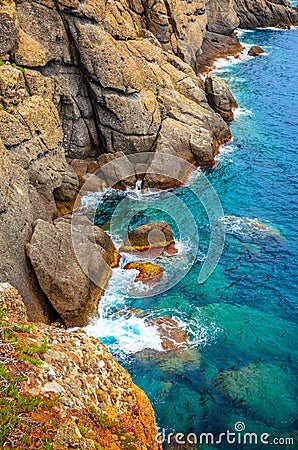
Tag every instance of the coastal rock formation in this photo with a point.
(121, 73)
(148, 272)
(8, 26)
(33, 174)
(219, 39)
(255, 50)
(129, 81)
(220, 97)
(151, 239)
(20, 206)
(72, 264)
(70, 389)
(265, 13)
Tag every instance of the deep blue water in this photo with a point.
(241, 364)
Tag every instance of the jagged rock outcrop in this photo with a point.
(220, 97)
(265, 13)
(219, 39)
(72, 262)
(119, 82)
(20, 206)
(30, 129)
(119, 76)
(121, 72)
(70, 389)
(33, 174)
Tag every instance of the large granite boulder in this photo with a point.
(72, 264)
(20, 206)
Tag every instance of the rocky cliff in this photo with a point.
(67, 387)
(82, 83)
(86, 79)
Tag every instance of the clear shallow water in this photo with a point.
(241, 364)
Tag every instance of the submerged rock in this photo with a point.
(255, 50)
(151, 239)
(148, 272)
(173, 337)
(263, 389)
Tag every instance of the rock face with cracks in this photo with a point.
(73, 265)
(83, 79)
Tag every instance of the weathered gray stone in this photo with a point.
(71, 266)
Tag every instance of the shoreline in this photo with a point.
(81, 87)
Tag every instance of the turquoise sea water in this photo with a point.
(241, 363)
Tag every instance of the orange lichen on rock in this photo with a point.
(64, 389)
(151, 239)
(148, 272)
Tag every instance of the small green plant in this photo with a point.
(127, 439)
(83, 430)
(1, 62)
(12, 403)
(48, 445)
(24, 351)
(21, 69)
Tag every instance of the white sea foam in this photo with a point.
(117, 326)
(125, 334)
(224, 64)
(239, 112)
(202, 336)
(249, 227)
(224, 152)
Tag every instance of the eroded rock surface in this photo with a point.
(76, 393)
(220, 97)
(72, 263)
(84, 79)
